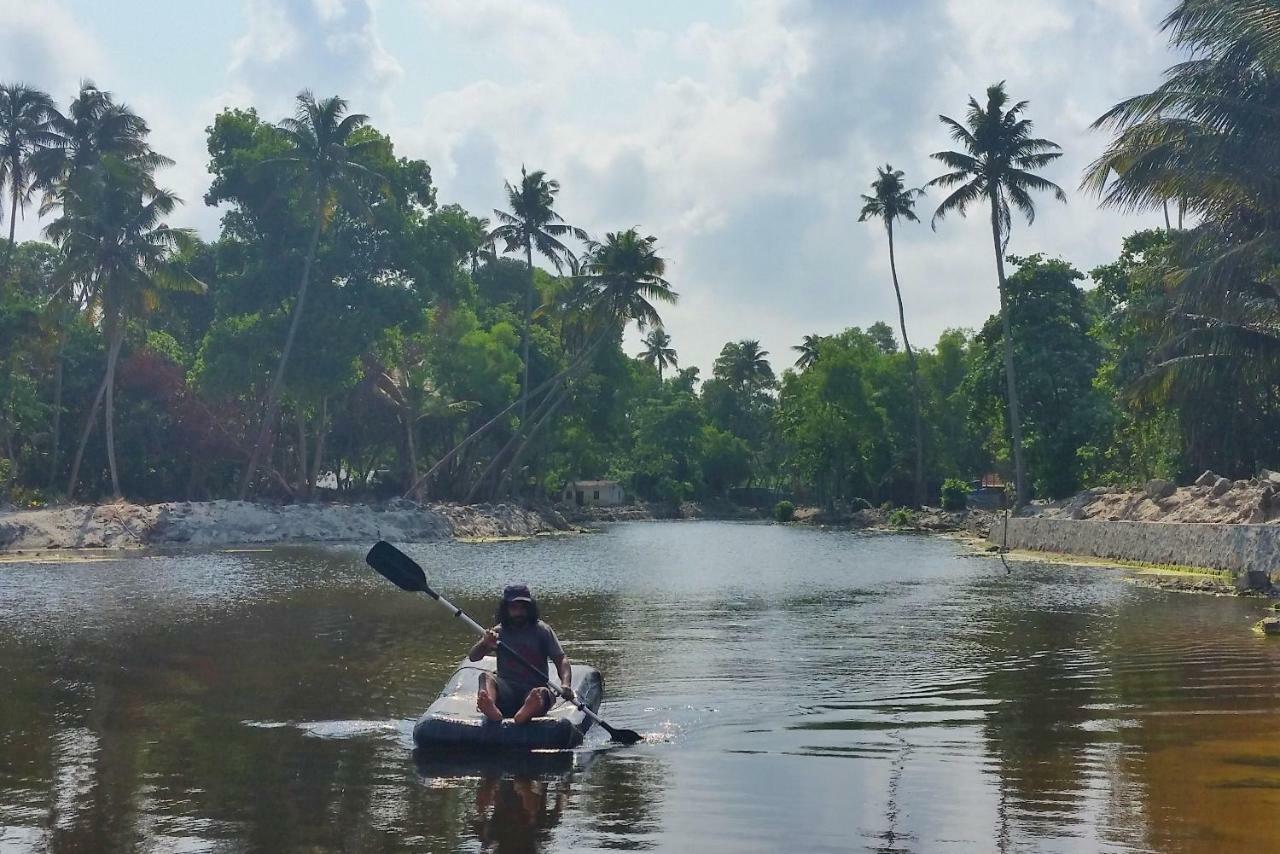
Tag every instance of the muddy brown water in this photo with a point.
(802, 691)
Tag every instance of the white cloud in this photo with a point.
(328, 46)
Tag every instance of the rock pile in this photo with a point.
(216, 523)
(1210, 498)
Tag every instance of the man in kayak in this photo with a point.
(515, 692)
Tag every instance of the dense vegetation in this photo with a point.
(347, 331)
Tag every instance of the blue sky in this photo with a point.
(739, 132)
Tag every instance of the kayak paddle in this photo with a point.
(404, 572)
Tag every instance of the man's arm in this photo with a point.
(566, 675)
(484, 646)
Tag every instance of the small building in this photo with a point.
(594, 493)
(988, 492)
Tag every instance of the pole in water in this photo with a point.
(1004, 540)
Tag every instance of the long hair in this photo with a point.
(501, 617)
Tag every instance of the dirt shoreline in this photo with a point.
(123, 526)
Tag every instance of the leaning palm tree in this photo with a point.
(532, 225)
(808, 350)
(996, 167)
(324, 158)
(625, 273)
(123, 253)
(25, 116)
(892, 200)
(658, 351)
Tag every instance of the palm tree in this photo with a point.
(892, 200)
(745, 365)
(324, 158)
(996, 165)
(533, 224)
(88, 158)
(1204, 137)
(25, 115)
(122, 254)
(658, 351)
(626, 273)
(808, 350)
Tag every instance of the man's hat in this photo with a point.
(517, 593)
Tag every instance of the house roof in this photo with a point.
(592, 484)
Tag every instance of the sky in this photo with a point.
(740, 133)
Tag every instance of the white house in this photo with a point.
(594, 493)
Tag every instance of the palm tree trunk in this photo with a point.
(524, 334)
(13, 222)
(1168, 226)
(411, 448)
(277, 382)
(1015, 421)
(915, 377)
(560, 395)
(302, 452)
(89, 421)
(57, 408)
(497, 459)
(113, 355)
(322, 432)
(415, 491)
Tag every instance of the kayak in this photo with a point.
(452, 721)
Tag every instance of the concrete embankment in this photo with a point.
(218, 523)
(1250, 552)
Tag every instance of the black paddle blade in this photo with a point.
(622, 736)
(397, 567)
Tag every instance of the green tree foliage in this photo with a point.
(1058, 361)
(348, 333)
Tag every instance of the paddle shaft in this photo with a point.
(480, 630)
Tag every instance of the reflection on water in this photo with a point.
(808, 690)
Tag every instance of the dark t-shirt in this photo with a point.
(535, 643)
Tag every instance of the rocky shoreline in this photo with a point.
(227, 523)
(122, 525)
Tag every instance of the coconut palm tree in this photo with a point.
(25, 116)
(116, 245)
(324, 158)
(658, 351)
(626, 273)
(532, 225)
(996, 167)
(94, 125)
(745, 365)
(891, 200)
(808, 350)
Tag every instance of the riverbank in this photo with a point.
(225, 523)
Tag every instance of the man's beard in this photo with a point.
(518, 622)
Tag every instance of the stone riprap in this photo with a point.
(1251, 552)
(218, 523)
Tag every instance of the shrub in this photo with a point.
(902, 518)
(784, 511)
(955, 494)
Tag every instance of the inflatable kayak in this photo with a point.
(452, 721)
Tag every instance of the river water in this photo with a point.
(801, 690)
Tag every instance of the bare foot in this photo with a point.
(486, 706)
